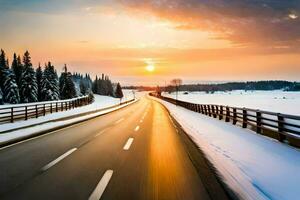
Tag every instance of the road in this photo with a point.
(133, 153)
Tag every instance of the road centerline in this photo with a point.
(137, 128)
(128, 144)
(98, 191)
(120, 120)
(54, 162)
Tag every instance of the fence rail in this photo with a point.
(285, 128)
(14, 113)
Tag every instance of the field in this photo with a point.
(274, 101)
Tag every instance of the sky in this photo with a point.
(195, 40)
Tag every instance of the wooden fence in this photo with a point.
(283, 127)
(11, 114)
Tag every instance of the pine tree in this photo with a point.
(49, 90)
(10, 88)
(3, 67)
(39, 75)
(83, 87)
(119, 92)
(66, 85)
(95, 86)
(1, 97)
(17, 68)
(29, 89)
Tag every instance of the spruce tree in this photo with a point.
(39, 75)
(83, 87)
(1, 97)
(10, 88)
(29, 89)
(3, 67)
(119, 92)
(66, 85)
(49, 90)
(95, 86)
(17, 68)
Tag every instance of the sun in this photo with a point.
(150, 68)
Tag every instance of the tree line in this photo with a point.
(21, 83)
(250, 85)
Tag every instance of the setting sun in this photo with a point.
(150, 68)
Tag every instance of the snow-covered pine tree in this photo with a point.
(83, 87)
(39, 75)
(66, 85)
(1, 97)
(28, 89)
(17, 68)
(109, 87)
(10, 88)
(119, 92)
(49, 90)
(95, 86)
(3, 67)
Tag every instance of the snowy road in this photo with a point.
(133, 153)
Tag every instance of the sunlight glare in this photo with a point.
(150, 68)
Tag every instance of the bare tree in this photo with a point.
(176, 83)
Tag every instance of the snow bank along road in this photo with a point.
(133, 153)
(253, 166)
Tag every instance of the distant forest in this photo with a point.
(21, 83)
(251, 85)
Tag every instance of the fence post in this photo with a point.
(44, 109)
(205, 109)
(36, 112)
(244, 118)
(217, 111)
(56, 107)
(280, 118)
(66, 104)
(26, 115)
(50, 107)
(234, 116)
(209, 110)
(221, 113)
(70, 105)
(227, 119)
(213, 111)
(12, 115)
(258, 121)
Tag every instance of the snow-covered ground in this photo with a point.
(100, 102)
(274, 101)
(253, 166)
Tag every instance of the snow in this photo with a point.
(100, 102)
(253, 166)
(274, 101)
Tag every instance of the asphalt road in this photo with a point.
(133, 153)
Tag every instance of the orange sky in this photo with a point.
(193, 40)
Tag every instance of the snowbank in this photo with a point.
(100, 102)
(274, 101)
(254, 166)
(18, 135)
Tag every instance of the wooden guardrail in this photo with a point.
(11, 114)
(283, 127)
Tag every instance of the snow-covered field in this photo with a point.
(253, 166)
(274, 101)
(100, 102)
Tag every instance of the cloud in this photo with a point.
(272, 22)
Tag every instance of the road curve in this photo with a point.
(133, 153)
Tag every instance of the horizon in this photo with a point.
(253, 41)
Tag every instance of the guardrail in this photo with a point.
(11, 114)
(283, 127)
